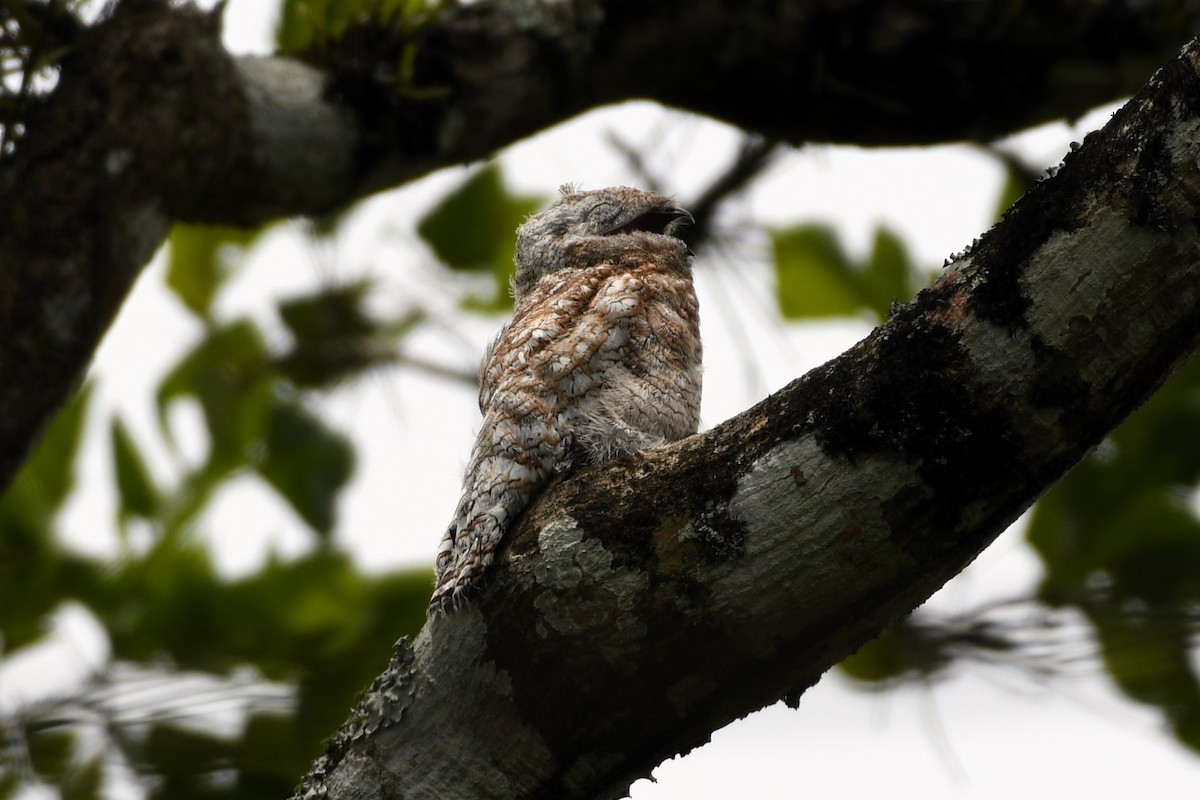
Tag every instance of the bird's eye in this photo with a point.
(600, 211)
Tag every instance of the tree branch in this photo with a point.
(107, 162)
(642, 605)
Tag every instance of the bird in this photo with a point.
(601, 359)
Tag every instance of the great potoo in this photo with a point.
(601, 359)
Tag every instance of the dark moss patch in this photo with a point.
(1057, 385)
(915, 393)
(404, 80)
(397, 107)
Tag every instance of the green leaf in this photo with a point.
(1148, 655)
(889, 273)
(201, 257)
(166, 602)
(474, 227)
(179, 752)
(817, 279)
(901, 651)
(226, 373)
(307, 463)
(84, 781)
(317, 607)
(1150, 547)
(9, 784)
(298, 20)
(335, 338)
(305, 25)
(52, 751)
(878, 663)
(271, 752)
(333, 312)
(135, 488)
(1121, 509)
(814, 274)
(1016, 184)
(43, 483)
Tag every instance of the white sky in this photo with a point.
(982, 734)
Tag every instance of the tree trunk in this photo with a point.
(644, 604)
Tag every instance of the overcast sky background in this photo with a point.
(985, 733)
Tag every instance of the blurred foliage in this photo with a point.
(816, 278)
(902, 652)
(1120, 541)
(335, 339)
(200, 259)
(315, 622)
(305, 24)
(33, 570)
(474, 228)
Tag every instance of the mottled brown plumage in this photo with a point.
(601, 359)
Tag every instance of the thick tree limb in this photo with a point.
(154, 122)
(108, 161)
(644, 604)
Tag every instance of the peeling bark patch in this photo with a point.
(569, 560)
(471, 731)
(798, 477)
(1151, 171)
(559, 569)
(691, 507)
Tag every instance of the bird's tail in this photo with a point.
(463, 557)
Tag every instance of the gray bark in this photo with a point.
(644, 604)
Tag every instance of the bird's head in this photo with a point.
(601, 215)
